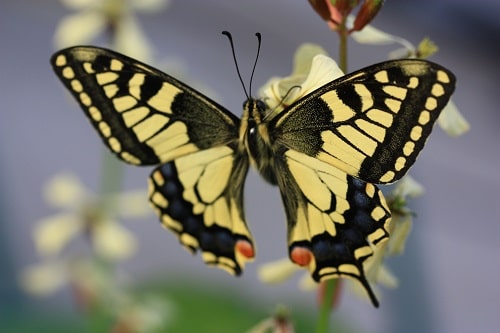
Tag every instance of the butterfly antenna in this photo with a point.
(282, 101)
(228, 35)
(259, 39)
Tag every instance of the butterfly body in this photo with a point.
(323, 152)
(256, 140)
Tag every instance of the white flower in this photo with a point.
(312, 69)
(402, 217)
(84, 213)
(281, 270)
(97, 16)
(44, 278)
(373, 36)
(277, 271)
(407, 187)
(48, 276)
(92, 284)
(147, 314)
(452, 121)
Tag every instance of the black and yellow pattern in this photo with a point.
(324, 152)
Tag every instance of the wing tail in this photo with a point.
(335, 221)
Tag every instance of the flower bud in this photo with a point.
(366, 13)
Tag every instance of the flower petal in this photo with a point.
(399, 235)
(277, 271)
(386, 278)
(79, 28)
(151, 314)
(149, 6)
(65, 191)
(114, 242)
(373, 36)
(43, 279)
(277, 88)
(323, 70)
(408, 187)
(80, 4)
(303, 57)
(307, 283)
(452, 121)
(131, 204)
(130, 40)
(51, 234)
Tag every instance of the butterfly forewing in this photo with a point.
(143, 115)
(372, 123)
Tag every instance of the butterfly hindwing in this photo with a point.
(144, 116)
(372, 123)
(200, 198)
(332, 216)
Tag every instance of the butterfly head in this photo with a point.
(255, 110)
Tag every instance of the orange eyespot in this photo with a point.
(245, 248)
(301, 256)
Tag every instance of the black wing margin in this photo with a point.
(144, 116)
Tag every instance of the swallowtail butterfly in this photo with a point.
(324, 152)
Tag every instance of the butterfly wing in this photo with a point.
(144, 116)
(200, 198)
(372, 123)
(147, 117)
(334, 219)
(366, 127)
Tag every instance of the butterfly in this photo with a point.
(325, 152)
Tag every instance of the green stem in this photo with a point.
(110, 186)
(326, 306)
(111, 174)
(343, 34)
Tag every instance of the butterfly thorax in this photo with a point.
(254, 136)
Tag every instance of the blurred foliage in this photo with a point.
(198, 307)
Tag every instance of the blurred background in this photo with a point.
(449, 272)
